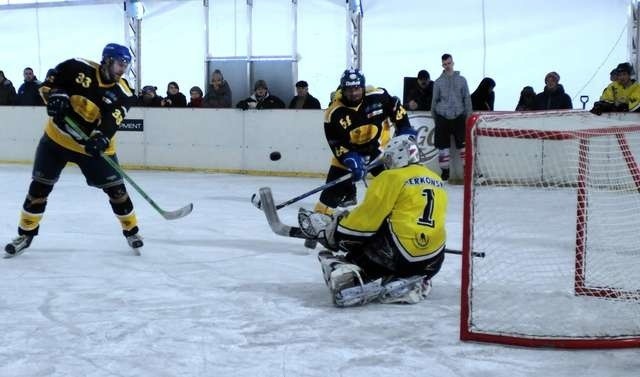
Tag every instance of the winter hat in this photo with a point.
(149, 89)
(260, 84)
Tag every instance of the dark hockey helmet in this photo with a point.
(117, 52)
(115, 62)
(352, 78)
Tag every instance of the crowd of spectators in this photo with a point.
(622, 94)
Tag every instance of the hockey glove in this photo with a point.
(407, 131)
(354, 162)
(96, 144)
(327, 237)
(622, 107)
(57, 106)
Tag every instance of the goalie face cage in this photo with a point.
(553, 199)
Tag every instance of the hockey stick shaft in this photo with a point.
(278, 227)
(325, 186)
(169, 215)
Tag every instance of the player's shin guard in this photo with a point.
(123, 209)
(33, 208)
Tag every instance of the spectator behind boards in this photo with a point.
(149, 98)
(29, 91)
(174, 97)
(553, 97)
(420, 97)
(483, 97)
(261, 99)
(7, 91)
(302, 99)
(218, 92)
(622, 95)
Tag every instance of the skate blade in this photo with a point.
(8, 255)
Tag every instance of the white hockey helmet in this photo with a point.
(401, 151)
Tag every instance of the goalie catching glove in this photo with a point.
(96, 144)
(321, 227)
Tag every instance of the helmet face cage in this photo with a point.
(400, 152)
(352, 78)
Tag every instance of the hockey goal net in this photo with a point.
(553, 200)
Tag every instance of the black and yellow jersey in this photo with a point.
(95, 104)
(412, 201)
(364, 128)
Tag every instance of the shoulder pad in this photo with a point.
(328, 113)
(370, 90)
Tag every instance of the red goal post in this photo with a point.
(553, 200)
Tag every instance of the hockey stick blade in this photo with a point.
(278, 227)
(168, 215)
(178, 213)
(271, 213)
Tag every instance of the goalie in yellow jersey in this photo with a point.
(394, 240)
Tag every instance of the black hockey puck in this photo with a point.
(275, 156)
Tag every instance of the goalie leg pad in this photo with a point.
(409, 290)
(345, 281)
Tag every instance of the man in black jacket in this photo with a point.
(303, 100)
(28, 93)
(553, 97)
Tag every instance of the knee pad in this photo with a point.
(116, 193)
(119, 200)
(39, 190)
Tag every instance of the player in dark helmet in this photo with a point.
(96, 98)
(115, 62)
(352, 85)
(358, 124)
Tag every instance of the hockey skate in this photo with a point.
(18, 245)
(135, 242)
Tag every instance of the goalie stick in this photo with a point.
(278, 227)
(169, 215)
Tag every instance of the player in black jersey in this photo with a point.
(97, 98)
(357, 125)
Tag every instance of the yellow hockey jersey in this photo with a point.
(413, 202)
(616, 93)
(95, 105)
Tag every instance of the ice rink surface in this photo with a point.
(218, 294)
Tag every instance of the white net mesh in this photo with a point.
(555, 205)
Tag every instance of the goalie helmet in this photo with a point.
(401, 151)
(352, 78)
